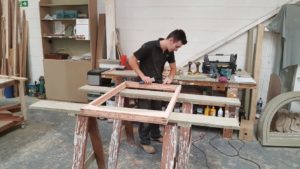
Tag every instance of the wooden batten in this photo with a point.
(166, 96)
(101, 38)
(153, 86)
(93, 30)
(109, 94)
(173, 101)
(127, 114)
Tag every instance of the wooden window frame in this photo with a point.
(94, 109)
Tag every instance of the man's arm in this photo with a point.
(169, 79)
(133, 62)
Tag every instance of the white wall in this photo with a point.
(205, 21)
(35, 59)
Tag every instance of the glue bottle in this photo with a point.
(220, 112)
(206, 111)
(213, 111)
(226, 113)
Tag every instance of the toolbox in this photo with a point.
(94, 77)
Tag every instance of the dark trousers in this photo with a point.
(147, 130)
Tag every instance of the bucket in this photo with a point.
(9, 92)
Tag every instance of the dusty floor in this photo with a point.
(46, 142)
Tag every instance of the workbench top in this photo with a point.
(240, 80)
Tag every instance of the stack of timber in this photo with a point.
(14, 39)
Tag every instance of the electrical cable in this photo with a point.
(229, 155)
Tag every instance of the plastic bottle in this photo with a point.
(206, 111)
(213, 111)
(220, 112)
(226, 113)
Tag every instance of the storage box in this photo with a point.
(64, 77)
(94, 77)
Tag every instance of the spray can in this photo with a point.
(220, 112)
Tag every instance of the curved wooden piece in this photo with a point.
(268, 138)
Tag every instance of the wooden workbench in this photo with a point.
(231, 88)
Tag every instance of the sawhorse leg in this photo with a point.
(169, 147)
(184, 140)
(85, 125)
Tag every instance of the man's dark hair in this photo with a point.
(177, 35)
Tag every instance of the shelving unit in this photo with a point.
(58, 19)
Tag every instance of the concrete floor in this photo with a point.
(46, 142)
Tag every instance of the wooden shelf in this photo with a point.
(59, 37)
(63, 37)
(58, 5)
(66, 19)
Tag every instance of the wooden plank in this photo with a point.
(184, 140)
(249, 67)
(169, 147)
(14, 36)
(22, 99)
(207, 121)
(181, 118)
(109, 94)
(153, 86)
(10, 117)
(97, 143)
(110, 13)
(127, 114)
(115, 139)
(25, 47)
(13, 77)
(93, 31)
(14, 107)
(80, 140)
(233, 35)
(274, 88)
(59, 106)
(4, 125)
(6, 82)
(172, 101)
(166, 96)
(101, 38)
(257, 67)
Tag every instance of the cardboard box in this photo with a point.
(64, 77)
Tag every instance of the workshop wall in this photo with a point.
(205, 22)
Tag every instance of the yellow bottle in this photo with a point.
(206, 111)
(213, 111)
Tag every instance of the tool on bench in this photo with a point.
(190, 68)
(230, 65)
(198, 68)
(152, 80)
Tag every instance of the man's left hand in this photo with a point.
(167, 80)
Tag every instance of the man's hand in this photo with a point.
(147, 79)
(167, 80)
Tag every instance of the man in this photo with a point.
(148, 63)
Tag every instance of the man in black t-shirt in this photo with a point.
(148, 62)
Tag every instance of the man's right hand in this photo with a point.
(147, 79)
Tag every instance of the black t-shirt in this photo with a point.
(152, 59)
